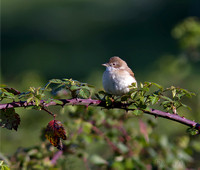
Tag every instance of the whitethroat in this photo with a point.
(118, 77)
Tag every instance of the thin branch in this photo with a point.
(118, 105)
(49, 112)
(56, 156)
(99, 132)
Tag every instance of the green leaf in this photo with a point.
(30, 99)
(186, 106)
(132, 106)
(37, 101)
(74, 87)
(173, 93)
(84, 93)
(98, 96)
(154, 99)
(9, 119)
(157, 85)
(58, 101)
(123, 148)
(3, 166)
(56, 81)
(133, 95)
(192, 131)
(166, 98)
(48, 100)
(96, 159)
(118, 165)
(145, 89)
(141, 85)
(137, 112)
(165, 103)
(108, 100)
(87, 127)
(124, 98)
(148, 109)
(102, 92)
(180, 95)
(12, 90)
(11, 95)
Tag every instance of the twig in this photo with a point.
(49, 112)
(56, 157)
(118, 105)
(99, 132)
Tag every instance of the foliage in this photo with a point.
(88, 126)
(188, 33)
(104, 138)
(55, 132)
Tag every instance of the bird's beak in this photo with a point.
(106, 64)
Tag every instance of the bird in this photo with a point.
(117, 77)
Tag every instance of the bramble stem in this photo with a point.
(115, 104)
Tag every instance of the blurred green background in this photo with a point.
(42, 40)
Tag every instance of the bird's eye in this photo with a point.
(113, 64)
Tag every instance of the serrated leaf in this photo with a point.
(147, 109)
(157, 85)
(9, 119)
(180, 95)
(154, 99)
(11, 95)
(56, 81)
(165, 103)
(132, 106)
(74, 87)
(166, 98)
(145, 89)
(133, 86)
(55, 132)
(29, 99)
(133, 95)
(84, 93)
(186, 106)
(37, 101)
(188, 93)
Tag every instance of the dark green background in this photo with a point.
(42, 40)
(72, 38)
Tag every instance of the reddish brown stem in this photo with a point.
(49, 112)
(99, 132)
(119, 105)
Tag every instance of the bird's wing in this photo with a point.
(130, 72)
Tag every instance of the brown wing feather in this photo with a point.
(130, 72)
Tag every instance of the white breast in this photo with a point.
(115, 83)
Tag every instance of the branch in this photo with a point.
(115, 104)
